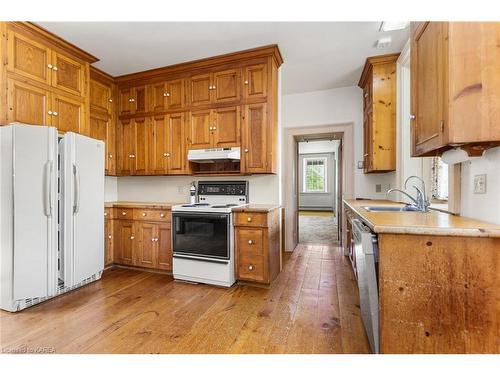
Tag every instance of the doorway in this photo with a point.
(318, 186)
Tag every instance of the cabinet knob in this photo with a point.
(133, 156)
(250, 242)
(166, 94)
(124, 213)
(49, 112)
(246, 150)
(213, 87)
(55, 113)
(250, 267)
(168, 154)
(143, 214)
(246, 82)
(210, 87)
(110, 100)
(413, 117)
(162, 215)
(109, 236)
(214, 128)
(131, 100)
(111, 156)
(132, 237)
(55, 68)
(152, 240)
(49, 66)
(249, 219)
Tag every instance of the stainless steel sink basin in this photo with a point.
(385, 208)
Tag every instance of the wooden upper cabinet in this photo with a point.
(226, 122)
(200, 123)
(101, 128)
(455, 75)
(125, 147)
(27, 104)
(101, 97)
(158, 144)
(255, 81)
(68, 74)
(255, 150)
(125, 101)
(134, 100)
(168, 95)
(68, 114)
(226, 86)
(200, 89)
(29, 58)
(176, 144)
(378, 82)
(141, 154)
(428, 86)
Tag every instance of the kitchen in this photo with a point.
(166, 217)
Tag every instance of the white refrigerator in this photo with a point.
(51, 213)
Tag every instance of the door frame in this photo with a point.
(289, 185)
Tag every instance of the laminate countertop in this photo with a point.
(257, 208)
(423, 223)
(127, 204)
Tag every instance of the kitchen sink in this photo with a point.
(385, 208)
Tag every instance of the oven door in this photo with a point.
(201, 236)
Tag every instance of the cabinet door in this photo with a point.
(164, 246)
(29, 58)
(427, 86)
(68, 114)
(101, 128)
(126, 101)
(108, 242)
(159, 96)
(199, 133)
(100, 97)
(68, 74)
(227, 127)
(146, 256)
(176, 149)
(175, 94)
(255, 81)
(141, 149)
(140, 103)
(200, 89)
(27, 104)
(125, 146)
(226, 86)
(127, 242)
(255, 142)
(158, 145)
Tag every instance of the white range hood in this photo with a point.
(213, 155)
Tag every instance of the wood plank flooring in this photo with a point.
(313, 307)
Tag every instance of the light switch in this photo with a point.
(480, 184)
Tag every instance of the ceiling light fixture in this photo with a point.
(393, 25)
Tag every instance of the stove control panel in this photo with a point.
(223, 188)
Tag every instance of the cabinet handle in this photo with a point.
(49, 66)
(124, 213)
(246, 82)
(49, 112)
(250, 242)
(246, 150)
(413, 117)
(143, 214)
(250, 267)
(249, 219)
(132, 237)
(162, 215)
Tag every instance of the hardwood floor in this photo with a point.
(313, 307)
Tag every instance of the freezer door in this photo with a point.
(82, 216)
(35, 211)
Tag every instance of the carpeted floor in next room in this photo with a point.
(317, 227)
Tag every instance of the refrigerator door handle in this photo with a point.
(76, 175)
(48, 188)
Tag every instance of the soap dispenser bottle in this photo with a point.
(192, 193)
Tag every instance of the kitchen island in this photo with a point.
(438, 280)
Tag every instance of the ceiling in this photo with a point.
(317, 55)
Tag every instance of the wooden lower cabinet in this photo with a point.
(108, 237)
(257, 239)
(143, 238)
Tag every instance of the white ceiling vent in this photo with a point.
(383, 43)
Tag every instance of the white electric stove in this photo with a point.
(203, 233)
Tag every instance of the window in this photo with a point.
(439, 180)
(314, 179)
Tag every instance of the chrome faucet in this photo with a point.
(421, 203)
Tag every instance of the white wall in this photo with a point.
(337, 106)
(482, 206)
(110, 189)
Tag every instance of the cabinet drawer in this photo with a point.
(124, 213)
(155, 215)
(251, 219)
(251, 267)
(250, 241)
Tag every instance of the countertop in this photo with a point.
(124, 204)
(257, 208)
(428, 223)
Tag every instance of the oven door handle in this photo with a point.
(210, 260)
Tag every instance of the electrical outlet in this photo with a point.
(361, 165)
(480, 184)
(378, 188)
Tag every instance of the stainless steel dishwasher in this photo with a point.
(366, 252)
